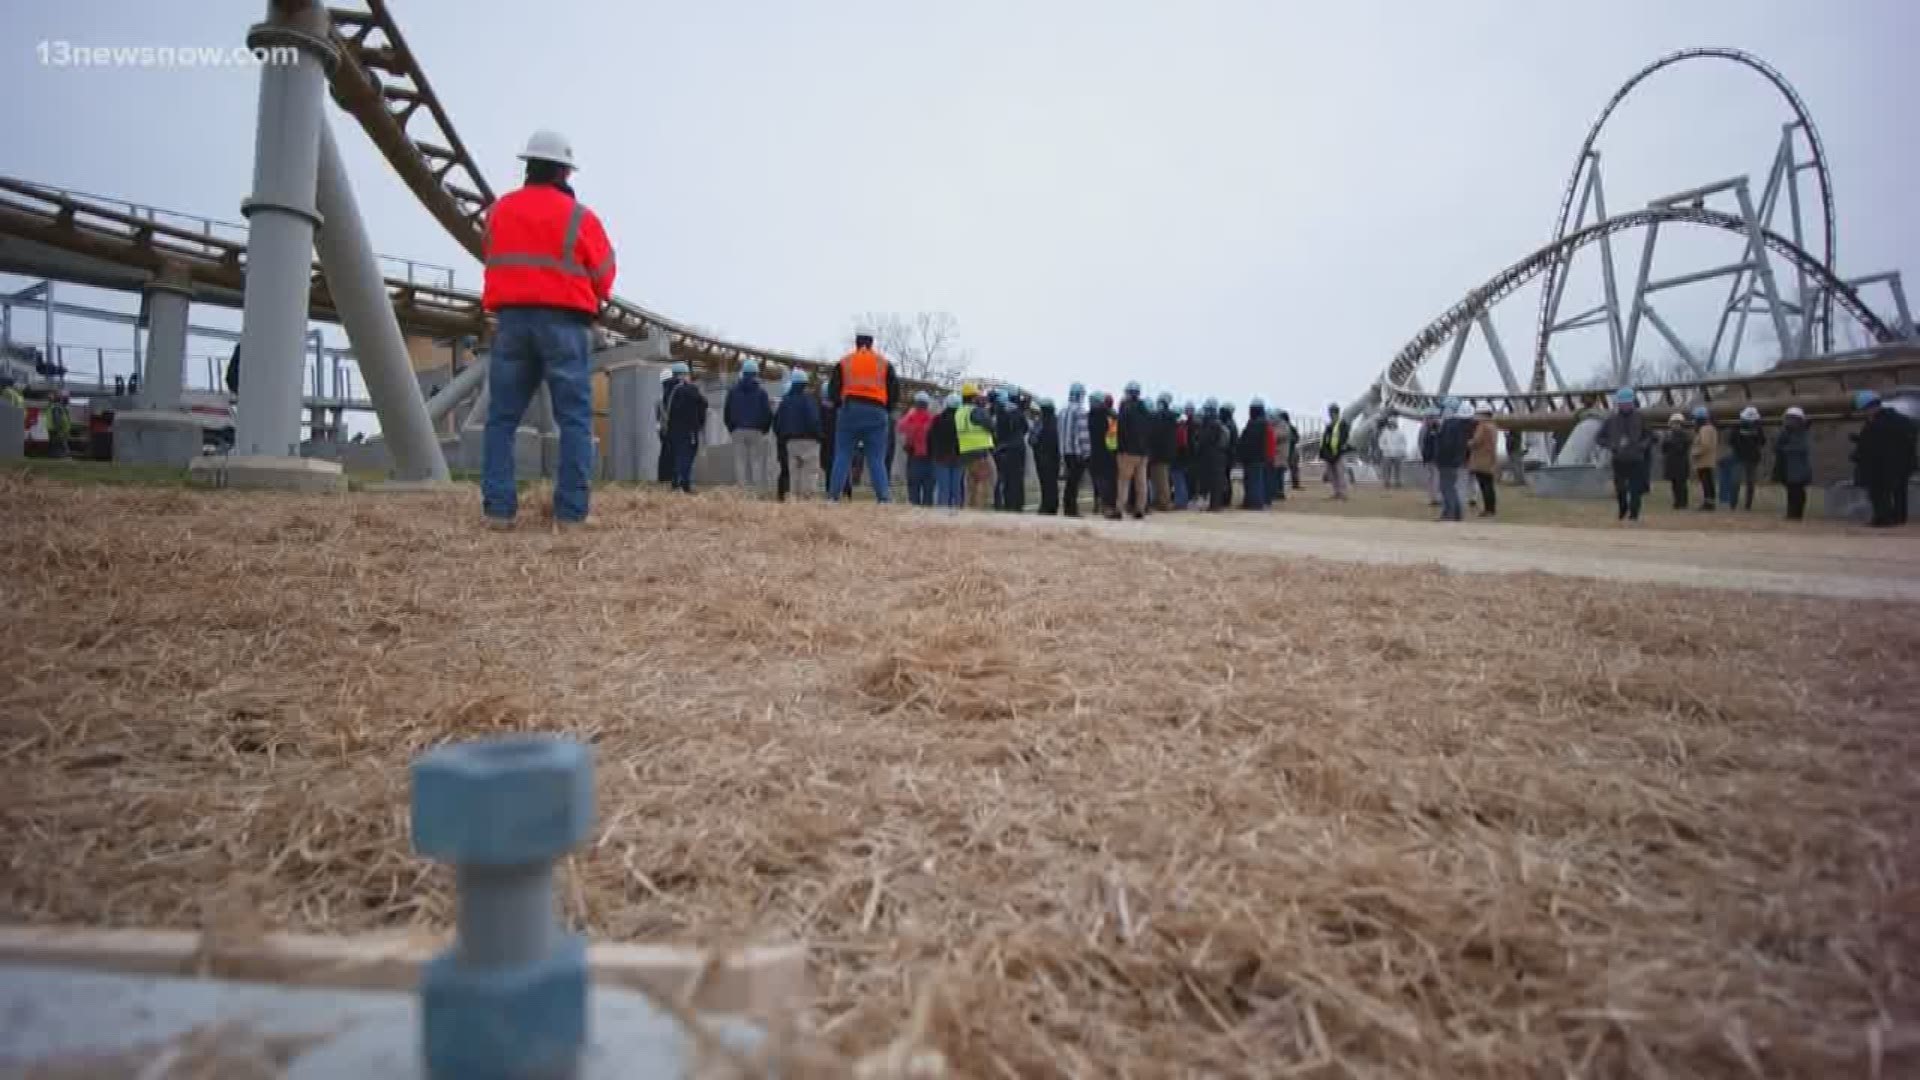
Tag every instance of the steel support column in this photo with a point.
(1624, 371)
(1499, 351)
(281, 219)
(1763, 269)
(360, 294)
(168, 299)
(1453, 358)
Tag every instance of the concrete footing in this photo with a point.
(59, 1018)
(263, 472)
(156, 437)
(415, 487)
(1571, 482)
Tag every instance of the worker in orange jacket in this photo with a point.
(864, 389)
(549, 268)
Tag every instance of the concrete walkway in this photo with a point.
(1845, 566)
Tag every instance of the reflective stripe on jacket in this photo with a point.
(546, 249)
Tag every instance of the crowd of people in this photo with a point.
(973, 447)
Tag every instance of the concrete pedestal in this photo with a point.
(53, 1019)
(1845, 502)
(264, 472)
(156, 437)
(1572, 482)
(13, 432)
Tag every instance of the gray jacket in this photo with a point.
(1625, 435)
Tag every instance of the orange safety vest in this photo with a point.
(546, 249)
(863, 374)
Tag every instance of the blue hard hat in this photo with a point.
(749, 366)
(1226, 406)
(1625, 395)
(1046, 403)
(1256, 403)
(680, 367)
(921, 397)
(1213, 403)
(1864, 398)
(1133, 388)
(953, 400)
(1699, 412)
(798, 376)
(1076, 388)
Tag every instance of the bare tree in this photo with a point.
(925, 345)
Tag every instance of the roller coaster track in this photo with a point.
(1399, 396)
(1544, 330)
(381, 84)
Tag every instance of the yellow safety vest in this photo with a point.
(973, 437)
(1113, 431)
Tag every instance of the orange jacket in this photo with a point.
(546, 249)
(864, 374)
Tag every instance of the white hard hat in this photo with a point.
(863, 331)
(1749, 413)
(1797, 413)
(544, 145)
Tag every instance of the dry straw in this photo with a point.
(1042, 805)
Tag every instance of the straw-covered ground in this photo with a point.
(1047, 804)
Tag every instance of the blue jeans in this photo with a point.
(532, 344)
(1450, 494)
(1178, 477)
(1728, 475)
(686, 447)
(860, 423)
(949, 485)
(919, 480)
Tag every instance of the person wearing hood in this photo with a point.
(973, 431)
(943, 455)
(1746, 443)
(1076, 446)
(1045, 440)
(1336, 443)
(1133, 444)
(1253, 457)
(1793, 461)
(1883, 459)
(748, 414)
(797, 432)
(1625, 436)
(913, 428)
(1010, 454)
(1451, 448)
(1676, 450)
(1706, 454)
(1483, 458)
(1103, 434)
(686, 416)
(670, 378)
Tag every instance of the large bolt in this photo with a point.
(509, 999)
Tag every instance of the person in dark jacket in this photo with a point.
(1676, 449)
(1747, 441)
(1182, 471)
(686, 416)
(829, 425)
(1210, 456)
(1045, 440)
(1883, 459)
(1429, 436)
(1162, 444)
(1253, 457)
(797, 433)
(748, 414)
(1793, 461)
(943, 449)
(1450, 449)
(1229, 439)
(1625, 435)
(1101, 465)
(1010, 454)
(663, 466)
(1336, 443)
(1131, 452)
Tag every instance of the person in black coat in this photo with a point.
(686, 416)
(1045, 440)
(1101, 464)
(1253, 458)
(663, 465)
(1883, 459)
(1010, 454)
(1676, 451)
(1229, 438)
(1162, 444)
(1209, 440)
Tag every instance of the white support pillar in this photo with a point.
(158, 431)
(281, 219)
(360, 294)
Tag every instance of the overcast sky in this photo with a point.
(1229, 198)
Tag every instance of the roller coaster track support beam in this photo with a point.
(158, 431)
(281, 220)
(360, 294)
